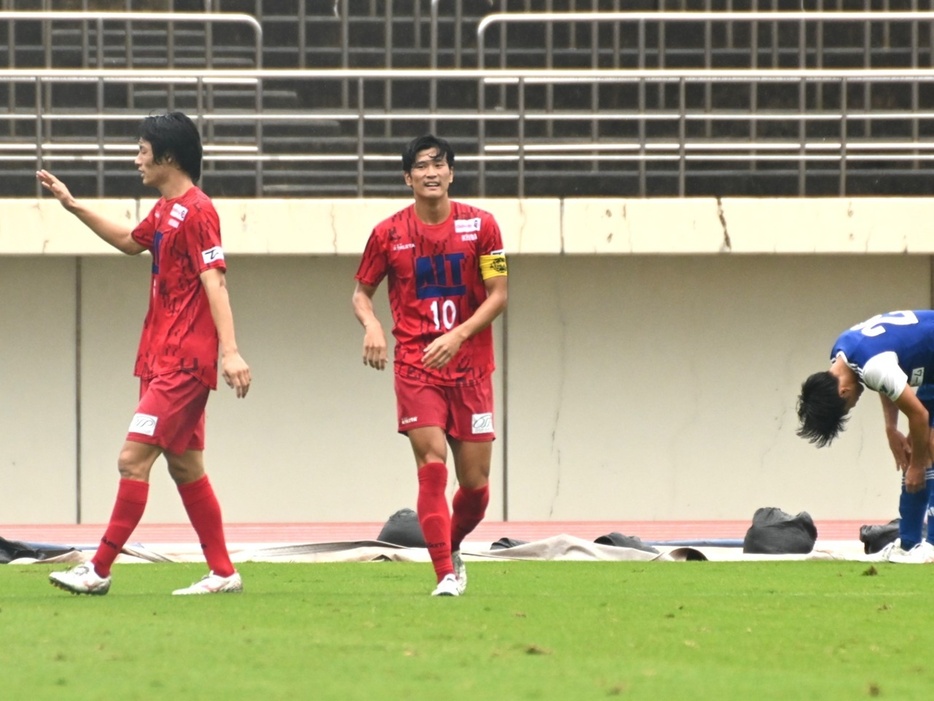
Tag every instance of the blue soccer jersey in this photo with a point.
(890, 351)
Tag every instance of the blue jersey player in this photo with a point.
(892, 354)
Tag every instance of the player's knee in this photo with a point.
(475, 480)
(183, 471)
(131, 467)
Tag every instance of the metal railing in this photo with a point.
(808, 26)
(99, 33)
(98, 20)
(513, 147)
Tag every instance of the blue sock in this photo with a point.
(929, 490)
(911, 509)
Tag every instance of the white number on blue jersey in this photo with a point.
(876, 325)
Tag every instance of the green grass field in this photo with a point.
(525, 630)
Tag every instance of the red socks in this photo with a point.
(434, 517)
(127, 512)
(469, 507)
(204, 512)
(443, 532)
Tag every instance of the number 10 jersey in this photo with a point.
(435, 283)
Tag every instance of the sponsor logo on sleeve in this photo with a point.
(212, 255)
(144, 424)
(482, 423)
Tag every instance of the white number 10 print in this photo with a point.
(446, 315)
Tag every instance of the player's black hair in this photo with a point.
(175, 135)
(420, 144)
(821, 409)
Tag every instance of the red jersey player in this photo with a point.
(447, 283)
(189, 317)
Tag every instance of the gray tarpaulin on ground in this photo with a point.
(559, 547)
(773, 535)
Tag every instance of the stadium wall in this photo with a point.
(649, 360)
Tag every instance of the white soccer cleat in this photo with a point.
(895, 547)
(213, 584)
(447, 586)
(920, 554)
(81, 579)
(460, 571)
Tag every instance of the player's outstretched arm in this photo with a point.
(375, 349)
(117, 234)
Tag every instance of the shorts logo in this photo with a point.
(212, 255)
(408, 420)
(482, 423)
(144, 424)
(917, 377)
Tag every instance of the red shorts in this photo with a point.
(170, 413)
(465, 413)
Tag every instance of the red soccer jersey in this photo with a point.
(434, 285)
(183, 236)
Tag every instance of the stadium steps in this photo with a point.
(410, 48)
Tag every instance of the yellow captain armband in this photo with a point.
(493, 265)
